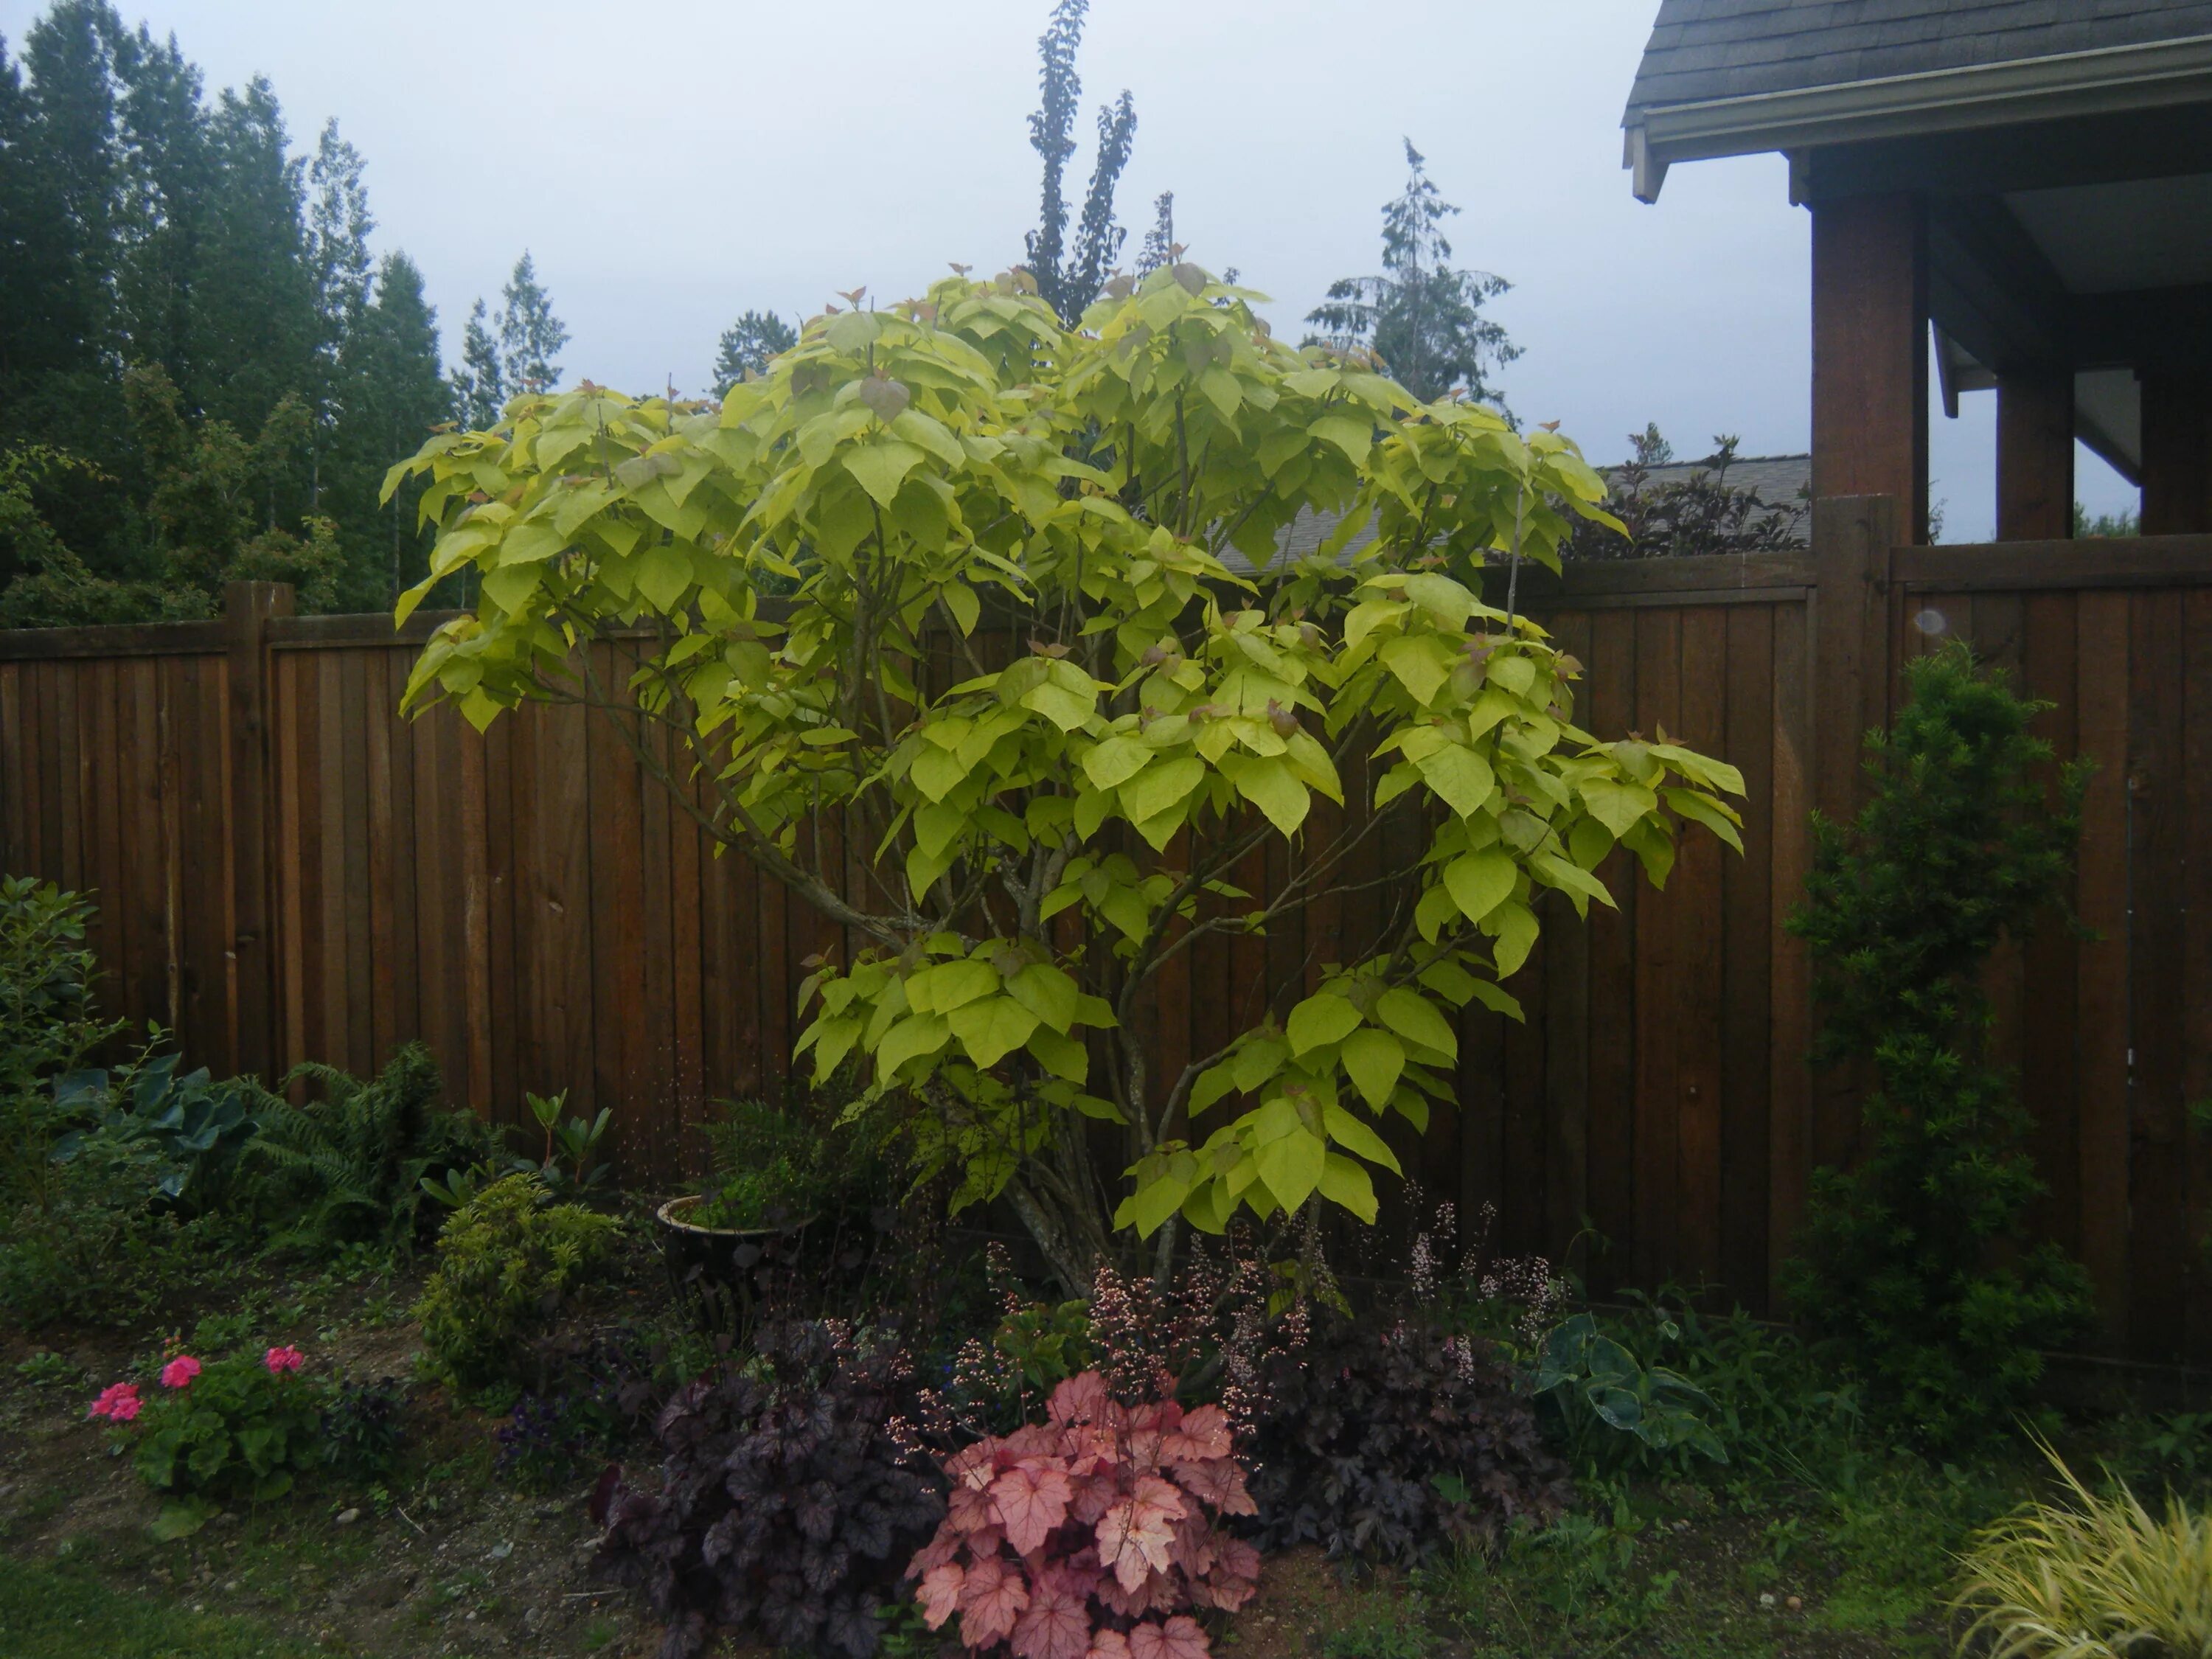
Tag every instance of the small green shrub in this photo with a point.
(47, 1023)
(89, 1245)
(506, 1262)
(772, 1168)
(2089, 1577)
(1916, 1262)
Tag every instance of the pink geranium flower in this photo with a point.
(282, 1359)
(180, 1372)
(118, 1402)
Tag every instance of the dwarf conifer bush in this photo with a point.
(508, 1262)
(1916, 1260)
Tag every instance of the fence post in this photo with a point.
(1814, 1117)
(247, 608)
(1852, 536)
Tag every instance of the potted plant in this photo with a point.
(772, 1178)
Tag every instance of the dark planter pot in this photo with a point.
(724, 1273)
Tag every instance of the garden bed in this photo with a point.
(445, 1557)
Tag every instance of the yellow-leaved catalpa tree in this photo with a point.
(1041, 829)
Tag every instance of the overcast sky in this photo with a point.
(673, 162)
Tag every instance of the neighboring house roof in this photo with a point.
(1734, 77)
(1708, 49)
(1778, 478)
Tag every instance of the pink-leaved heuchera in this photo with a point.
(1093, 1534)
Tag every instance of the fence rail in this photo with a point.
(288, 870)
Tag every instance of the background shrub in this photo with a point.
(507, 1262)
(1915, 1263)
(787, 1505)
(349, 1168)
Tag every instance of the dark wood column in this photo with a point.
(2176, 454)
(2035, 454)
(1870, 353)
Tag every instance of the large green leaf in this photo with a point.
(1292, 1165)
(1413, 1017)
(1461, 777)
(1324, 1017)
(1373, 1060)
(1480, 882)
(992, 1028)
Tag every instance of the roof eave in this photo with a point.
(2107, 80)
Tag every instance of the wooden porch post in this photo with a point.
(2035, 454)
(2176, 454)
(1870, 353)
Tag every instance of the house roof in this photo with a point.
(1781, 479)
(1706, 49)
(1734, 77)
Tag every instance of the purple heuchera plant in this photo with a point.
(785, 1504)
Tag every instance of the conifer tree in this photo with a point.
(748, 345)
(1419, 315)
(477, 385)
(530, 336)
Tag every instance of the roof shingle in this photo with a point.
(1706, 49)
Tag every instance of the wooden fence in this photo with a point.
(286, 870)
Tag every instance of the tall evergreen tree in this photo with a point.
(530, 336)
(478, 385)
(394, 396)
(254, 306)
(1069, 277)
(747, 346)
(339, 223)
(1423, 318)
(165, 200)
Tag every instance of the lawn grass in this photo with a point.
(59, 1610)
